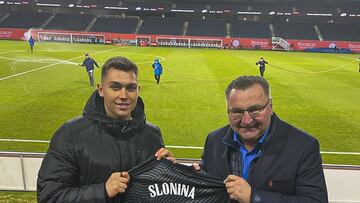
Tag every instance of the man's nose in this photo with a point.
(122, 94)
(246, 118)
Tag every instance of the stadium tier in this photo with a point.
(196, 6)
(349, 9)
(101, 3)
(64, 3)
(115, 25)
(313, 9)
(295, 31)
(136, 5)
(24, 20)
(250, 29)
(267, 9)
(162, 26)
(226, 6)
(208, 27)
(76, 22)
(340, 31)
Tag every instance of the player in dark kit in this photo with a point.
(157, 70)
(31, 43)
(261, 63)
(163, 181)
(89, 64)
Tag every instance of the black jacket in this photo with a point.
(289, 169)
(85, 151)
(89, 64)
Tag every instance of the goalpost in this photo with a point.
(189, 42)
(71, 37)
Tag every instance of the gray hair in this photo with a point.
(245, 82)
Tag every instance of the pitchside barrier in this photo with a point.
(19, 173)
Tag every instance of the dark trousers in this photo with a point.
(157, 78)
(262, 71)
(91, 77)
(31, 48)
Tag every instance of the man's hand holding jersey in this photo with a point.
(164, 153)
(118, 181)
(238, 189)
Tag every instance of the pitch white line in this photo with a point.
(19, 140)
(53, 64)
(169, 146)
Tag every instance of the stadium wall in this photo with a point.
(234, 43)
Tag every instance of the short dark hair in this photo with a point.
(119, 63)
(245, 82)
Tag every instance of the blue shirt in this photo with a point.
(246, 156)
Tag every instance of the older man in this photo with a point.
(262, 158)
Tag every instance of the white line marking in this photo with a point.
(19, 140)
(169, 146)
(50, 65)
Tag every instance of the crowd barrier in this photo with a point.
(19, 173)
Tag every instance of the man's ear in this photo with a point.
(100, 90)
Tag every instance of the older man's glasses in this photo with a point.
(253, 111)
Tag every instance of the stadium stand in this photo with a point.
(144, 5)
(266, 9)
(76, 22)
(208, 27)
(290, 30)
(2, 15)
(162, 26)
(234, 7)
(340, 31)
(100, 3)
(250, 29)
(64, 3)
(24, 20)
(115, 25)
(196, 6)
(349, 8)
(315, 9)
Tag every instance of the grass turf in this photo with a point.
(318, 93)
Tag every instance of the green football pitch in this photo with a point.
(319, 93)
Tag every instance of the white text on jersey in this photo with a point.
(172, 189)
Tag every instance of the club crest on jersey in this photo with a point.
(172, 189)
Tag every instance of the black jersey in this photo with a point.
(163, 181)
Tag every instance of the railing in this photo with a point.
(19, 173)
(280, 42)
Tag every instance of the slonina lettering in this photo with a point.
(172, 189)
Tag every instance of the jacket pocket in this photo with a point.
(282, 186)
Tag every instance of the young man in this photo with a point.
(89, 64)
(261, 63)
(89, 156)
(31, 43)
(260, 157)
(157, 70)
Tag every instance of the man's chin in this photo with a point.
(248, 133)
(123, 115)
